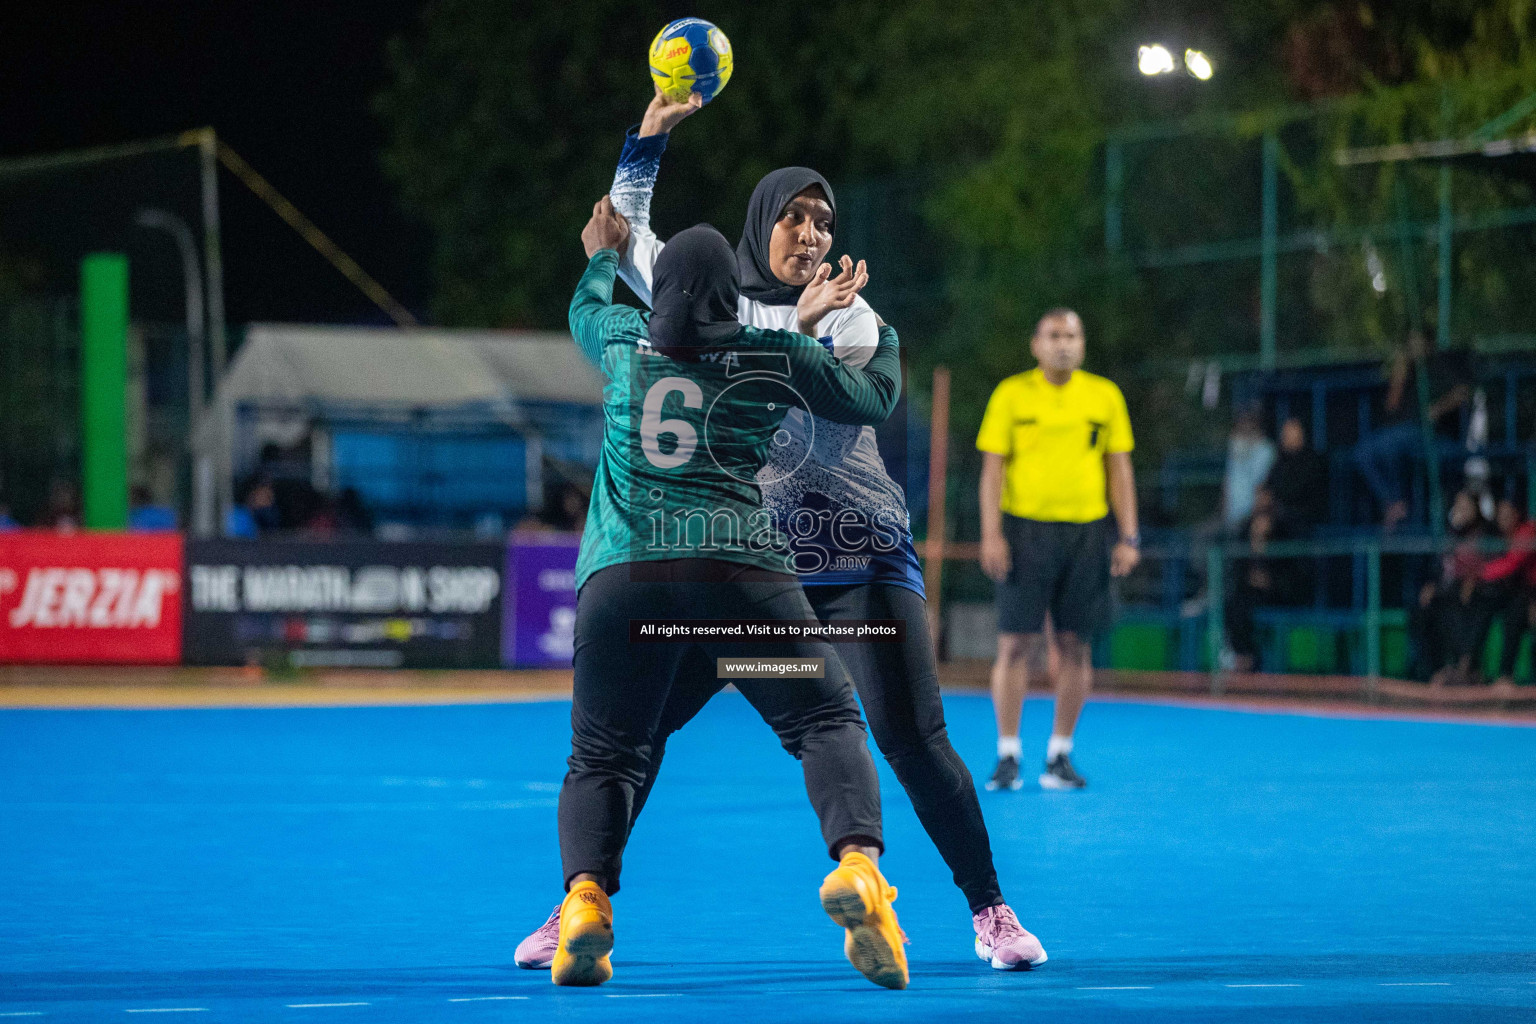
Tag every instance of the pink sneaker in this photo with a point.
(1003, 942)
(537, 951)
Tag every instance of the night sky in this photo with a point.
(288, 85)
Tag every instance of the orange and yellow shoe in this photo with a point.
(856, 896)
(586, 937)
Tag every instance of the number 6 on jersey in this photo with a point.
(652, 426)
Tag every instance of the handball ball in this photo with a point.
(690, 55)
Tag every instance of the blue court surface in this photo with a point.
(363, 865)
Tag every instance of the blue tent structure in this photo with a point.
(435, 428)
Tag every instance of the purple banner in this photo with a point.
(539, 612)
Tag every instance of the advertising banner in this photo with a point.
(343, 604)
(90, 598)
(540, 626)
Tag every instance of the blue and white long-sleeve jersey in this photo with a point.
(825, 483)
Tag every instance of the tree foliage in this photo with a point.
(984, 122)
(506, 120)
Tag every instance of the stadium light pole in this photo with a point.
(221, 488)
(164, 220)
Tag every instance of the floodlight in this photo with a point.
(1154, 59)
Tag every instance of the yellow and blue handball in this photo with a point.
(690, 55)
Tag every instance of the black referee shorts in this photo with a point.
(1061, 568)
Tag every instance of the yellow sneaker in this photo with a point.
(857, 897)
(586, 937)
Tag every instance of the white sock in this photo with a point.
(1009, 746)
(1058, 745)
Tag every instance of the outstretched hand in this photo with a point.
(606, 230)
(826, 293)
(663, 114)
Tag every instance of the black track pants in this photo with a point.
(622, 690)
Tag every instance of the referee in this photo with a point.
(1056, 445)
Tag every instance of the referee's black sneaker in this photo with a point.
(1059, 774)
(1006, 775)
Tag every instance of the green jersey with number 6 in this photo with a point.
(683, 441)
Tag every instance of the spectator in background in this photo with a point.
(1249, 457)
(569, 514)
(1511, 582)
(1260, 581)
(564, 509)
(145, 516)
(1450, 621)
(324, 520)
(338, 515)
(256, 512)
(7, 523)
(353, 516)
(63, 511)
(298, 505)
(1381, 454)
(1297, 485)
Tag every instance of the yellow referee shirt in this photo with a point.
(1053, 441)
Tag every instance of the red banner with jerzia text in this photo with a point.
(90, 598)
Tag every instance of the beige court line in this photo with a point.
(175, 687)
(129, 687)
(269, 696)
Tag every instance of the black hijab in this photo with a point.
(694, 288)
(770, 197)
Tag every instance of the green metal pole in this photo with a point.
(1447, 220)
(103, 390)
(1414, 303)
(1372, 620)
(1269, 263)
(1114, 195)
(1446, 227)
(1215, 624)
(1530, 485)
(1511, 117)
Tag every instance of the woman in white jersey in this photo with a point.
(846, 517)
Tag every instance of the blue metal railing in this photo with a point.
(1364, 612)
